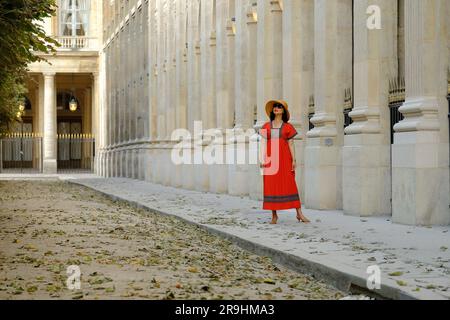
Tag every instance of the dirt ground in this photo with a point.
(125, 253)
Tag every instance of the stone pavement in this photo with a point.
(414, 261)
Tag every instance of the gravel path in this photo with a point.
(125, 253)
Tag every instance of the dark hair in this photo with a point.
(284, 116)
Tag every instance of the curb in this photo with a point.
(347, 282)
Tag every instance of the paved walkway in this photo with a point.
(414, 261)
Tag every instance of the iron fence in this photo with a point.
(76, 153)
(311, 110)
(396, 100)
(21, 153)
(348, 107)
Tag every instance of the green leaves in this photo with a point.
(21, 37)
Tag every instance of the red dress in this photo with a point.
(280, 188)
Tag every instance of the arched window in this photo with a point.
(74, 18)
(27, 104)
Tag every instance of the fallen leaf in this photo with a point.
(396, 274)
(269, 281)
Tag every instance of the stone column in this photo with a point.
(193, 88)
(133, 75)
(152, 90)
(245, 93)
(366, 152)
(171, 69)
(333, 75)
(132, 96)
(245, 63)
(109, 108)
(105, 109)
(162, 68)
(181, 69)
(225, 37)
(86, 126)
(130, 90)
(180, 78)
(95, 113)
(41, 106)
(116, 119)
(142, 71)
(420, 154)
(194, 66)
(298, 73)
(153, 70)
(50, 156)
(173, 171)
(112, 94)
(162, 171)
(269, 56)
(102, 101)
(224, 78)
(36, 117)
(208, 62)
(145, 126)
(121, 59)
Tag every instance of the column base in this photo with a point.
(148, 165)
(366, 176)
(238, 173)
(187, 168)
(323, 174)
(218, 172)
(420, 179)
(50, 166)
(141, 175)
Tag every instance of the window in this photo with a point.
(74, 18)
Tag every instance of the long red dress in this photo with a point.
(280, 188)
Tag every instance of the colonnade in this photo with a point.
(169, 63)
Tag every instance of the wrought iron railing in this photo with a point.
(396, 100)
(348, 107)
(311, 110)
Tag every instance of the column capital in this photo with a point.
(252, 13)
(276, 6)
(48, 74)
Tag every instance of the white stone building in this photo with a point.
(51, 135)
(344, 66)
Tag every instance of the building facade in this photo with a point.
(366, 82)
(51, 136)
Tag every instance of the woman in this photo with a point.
(277, 158)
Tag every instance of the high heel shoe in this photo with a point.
(304, 220)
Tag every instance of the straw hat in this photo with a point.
(271, 103)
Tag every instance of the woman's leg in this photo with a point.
(274, 217)
(301, 217)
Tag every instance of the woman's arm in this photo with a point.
(292, 149)
(262, 150)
